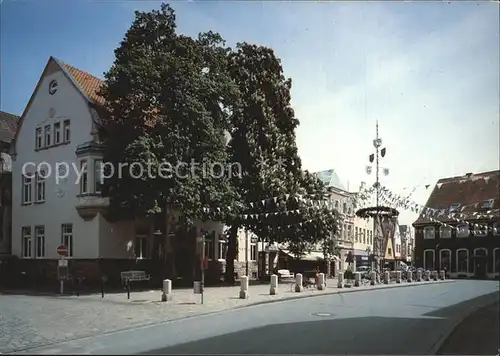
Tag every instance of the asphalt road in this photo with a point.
(411, 320)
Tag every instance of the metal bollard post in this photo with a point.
(387, 277)
(442, 275)
(321, 281)
(102, 286)
(410, 277)
(127, 287)
(357, 279)
(77, 286)
(167, 290)
(373, 278)
(418, 276)
(398, 276)
(244, 287)
(273, 290)
(340, 279)
(298, 283)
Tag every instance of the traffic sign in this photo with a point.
(62, 250)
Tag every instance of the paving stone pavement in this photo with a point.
(32, 321)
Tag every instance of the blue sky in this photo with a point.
(428, 71)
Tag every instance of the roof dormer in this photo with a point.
(454, 207)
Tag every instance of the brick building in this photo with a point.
(460, 231)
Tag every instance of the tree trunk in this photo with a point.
(232, 250)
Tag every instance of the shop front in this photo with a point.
(362, 258)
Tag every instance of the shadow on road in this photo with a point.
(369, 336)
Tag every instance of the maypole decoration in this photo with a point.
(377, 212)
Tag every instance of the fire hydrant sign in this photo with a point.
(62, 250)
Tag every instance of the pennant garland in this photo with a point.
(430, 213)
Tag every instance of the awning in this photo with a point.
(311, 256)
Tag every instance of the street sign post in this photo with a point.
(62, 250)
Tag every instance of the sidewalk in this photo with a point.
(478, 334)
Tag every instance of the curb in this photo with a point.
(447, 334)
(341, 291)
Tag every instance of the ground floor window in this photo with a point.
(67, 237)
(40, 241)
(26, 241)
(462, 261)
(445, 260)
(209, 245)
(253, 252)
(222, 248)
(429, 259)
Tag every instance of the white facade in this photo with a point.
(363, 234)
(397, 242)
(45, 213)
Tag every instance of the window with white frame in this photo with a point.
(429, 232)
(67, 237)
(141, 247)
(429, 259)
(98, 176)
(40, 241)
(47, 135)
(445, 232)
(84, 183)
(480, 229)
(57, 133)
(26, 241)
(66, 131)
(356, 234)
(222, 248)
(253, 251)
(496, 228)
(40, 187)
(27, 181)
(463, 230)
(462, 261)
(38, 138)
(364, 236)
(344, 208)
(349, 231)
(337, 204)
(210, 245)
(445, 260)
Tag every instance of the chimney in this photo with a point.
(468, 175)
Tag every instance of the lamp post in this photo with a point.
(246, 252)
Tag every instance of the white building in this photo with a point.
(58, 134)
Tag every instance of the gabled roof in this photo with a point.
(8, 126)
(330, 179)
(86, 84)
(470, 191)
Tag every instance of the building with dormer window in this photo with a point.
(57, 155)
(460, 228)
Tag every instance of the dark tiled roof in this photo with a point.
(8, 126)
(470, 191)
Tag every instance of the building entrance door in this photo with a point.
(480, 267)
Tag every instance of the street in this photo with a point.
(412, 320)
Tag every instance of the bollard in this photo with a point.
(387, 277)
(373, 278)
(418, 276)
(427, 275)
(244, 287)
(398, 276)
(409, 275)
(274, 285)
(442, 275)
(298, 283)
(127, 287)
(321, 281)
(167, 291)
(77, 286)
(357, 279)
(340, 278)
(102, 286)
(435, 275)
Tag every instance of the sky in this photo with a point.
(427, 71)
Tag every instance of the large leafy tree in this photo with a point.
(263, 143)
(167, 104)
